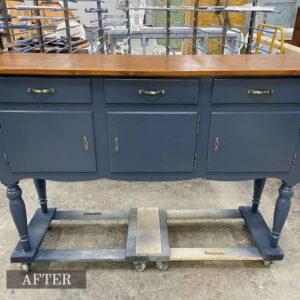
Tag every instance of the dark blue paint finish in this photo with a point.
(260, 234)
(235, 90)
(259, 185)
(152, 141)
(71, 135)
(18, 212)
(34, 134)
(37, 229)
(40, 185)
(176, 91)
(282, 208)
(253, 142)
(66, 90)
(48, 141)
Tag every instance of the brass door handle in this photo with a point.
(117, 144)
(41, 91)
(260, 92)
(85, 143)
(152, 93)
(217, 144)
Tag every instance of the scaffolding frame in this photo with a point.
(100, 44)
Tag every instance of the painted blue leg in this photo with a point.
(282, 208)
(18, 212)
(259, 185)
(40, 186)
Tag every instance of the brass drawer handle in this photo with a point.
(41, 91)
(260, 92)
(152, 93)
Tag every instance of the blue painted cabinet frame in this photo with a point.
(149, 129)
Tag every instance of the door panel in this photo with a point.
(252, 142)
(37, 141)
(151, 141)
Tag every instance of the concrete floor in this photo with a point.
(184, 280)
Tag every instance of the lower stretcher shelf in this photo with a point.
(147, 238)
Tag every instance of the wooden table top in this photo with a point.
(117, 65)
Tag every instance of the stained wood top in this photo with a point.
(117, 65)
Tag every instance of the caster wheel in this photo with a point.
(162, 265)
(25, 268)
(140, 266)
(267, 263)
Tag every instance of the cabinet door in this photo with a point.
(152, 141)
(252, 142)
(52, 141)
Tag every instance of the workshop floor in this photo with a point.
(183, 280)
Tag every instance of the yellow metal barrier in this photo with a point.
(260, 31)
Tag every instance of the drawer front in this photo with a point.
(45, 90)
(281, 90)
(52, 141)
(152, 91)
(151, 142)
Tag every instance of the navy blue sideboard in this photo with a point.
(84, 128)
(74, 128)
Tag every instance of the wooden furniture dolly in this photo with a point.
(81, 117)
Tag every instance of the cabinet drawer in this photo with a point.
(281, 90)
(45, 90)
(154, 91)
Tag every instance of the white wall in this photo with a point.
(286, 18)
(85, 18)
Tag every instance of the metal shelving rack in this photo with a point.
(5, 21)
(195, 31)
(128, 27)
(225, 9)
(40, 42)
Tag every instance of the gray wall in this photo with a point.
(288, 9)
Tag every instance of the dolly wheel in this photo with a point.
(267, 263)
(140, 266)
(162, 265)
(25, 268)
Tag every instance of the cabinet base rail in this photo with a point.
(147, 238)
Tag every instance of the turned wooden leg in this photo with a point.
(282, 208)
(18, 212)
(40, 186)
(259, 185)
